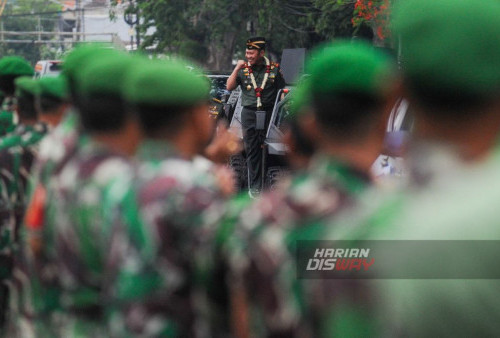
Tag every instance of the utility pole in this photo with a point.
(131, 17)
(78, 19)
(39, 28)
(137, 35)
(83, 23)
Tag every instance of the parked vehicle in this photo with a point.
(48, 68)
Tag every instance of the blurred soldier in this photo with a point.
(52, 100)
(301, 148)
(11, 67)
(160, 285)
(452, 75)
(260, 80)
(29, 129)
(50, 105)
(17, 154)
(60, 144)
(75, 233)
(348, 110)
(55, 151)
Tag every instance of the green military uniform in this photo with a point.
(7, 123)
(10, 68)
(160, 237)
(261, 92)
(446, 198)
(18, 150)
(55, 151)
(72, 301)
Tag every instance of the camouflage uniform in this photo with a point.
(261, 249)
(55, 151)
(458, 208)
(434, 205)
(18, 151)
(75, 240)
(161, 234)
(24, 135)
(7, 123)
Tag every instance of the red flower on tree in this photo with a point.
(376, 11)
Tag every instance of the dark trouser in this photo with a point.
(253, 140)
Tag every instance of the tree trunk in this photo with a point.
(220, 55)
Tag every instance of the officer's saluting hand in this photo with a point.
(231, 83)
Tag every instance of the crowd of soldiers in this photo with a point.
(113, 221)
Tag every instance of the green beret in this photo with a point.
(55, 87)
(15, 66)
(77, 60)
(165, 83)
(345, 67)
(26, 85)
(449, 44)
(105, 75)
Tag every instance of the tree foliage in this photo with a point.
(213, 32)
(18, 16)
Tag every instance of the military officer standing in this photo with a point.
(260, 81)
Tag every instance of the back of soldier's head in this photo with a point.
(53, 93)
(163, 92)
(349, 84)
(450, 53)
(77, 61)
(26, 90)
(12, 67)
(102, 108)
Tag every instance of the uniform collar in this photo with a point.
(259, 65)
(90, 147)
(338, 172)
(156, 150)
(431, 160)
